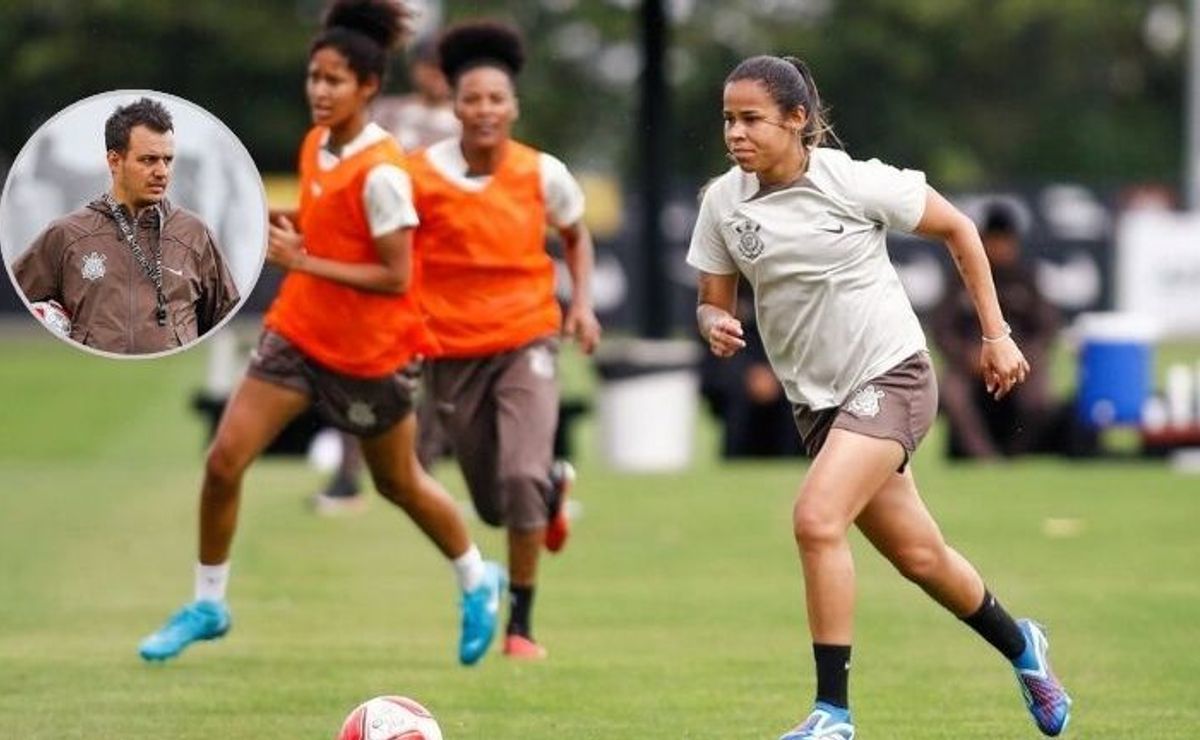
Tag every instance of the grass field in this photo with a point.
(675, 613)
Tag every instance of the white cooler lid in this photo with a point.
(1116, 327)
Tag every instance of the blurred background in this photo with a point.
(1068, 129)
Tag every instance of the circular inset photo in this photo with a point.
(133, 224)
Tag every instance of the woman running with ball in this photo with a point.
(806, 226)
(341, 332)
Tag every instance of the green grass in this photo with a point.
(676, 612)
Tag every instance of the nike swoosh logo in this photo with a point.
(830, 230)
(173, 271)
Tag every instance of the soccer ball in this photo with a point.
(54, 316)
(390, 718)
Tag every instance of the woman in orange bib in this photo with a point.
(340, 334)
(485, 202)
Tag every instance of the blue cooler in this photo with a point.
(1116, 356)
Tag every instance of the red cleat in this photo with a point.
(562, 478)
(520, 647)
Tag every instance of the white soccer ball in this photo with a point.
(390, 718)
(54, 316)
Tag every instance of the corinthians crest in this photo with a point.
(93, 266)
(865, 403)
(360, 413)
(749, 243)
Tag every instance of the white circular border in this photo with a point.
(240, 147)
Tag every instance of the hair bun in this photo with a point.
(383, 21)
(469, 45)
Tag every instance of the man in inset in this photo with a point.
(135, 273)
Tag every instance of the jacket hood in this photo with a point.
(100, 206)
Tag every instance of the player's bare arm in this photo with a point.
(1001, 361)
(714, 314)
(392, 274)
(579, 254)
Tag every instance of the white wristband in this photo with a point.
(1004, 334)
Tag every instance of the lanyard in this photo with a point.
(154, 272)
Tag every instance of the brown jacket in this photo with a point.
(82, 262)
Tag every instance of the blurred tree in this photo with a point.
(973, 92)
(241, 61)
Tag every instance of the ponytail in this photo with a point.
(817, 130)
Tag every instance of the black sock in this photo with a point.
(520, 609)
(833, 674)
(997, 627)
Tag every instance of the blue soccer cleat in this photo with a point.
(1045, 696)
(826, 722)
(199, 620)
(480, 613)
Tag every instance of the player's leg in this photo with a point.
(526, 398)
(433, 443)
(845, 474)
(461, 393)
(253, 417)
(392, 459)
(899, 525)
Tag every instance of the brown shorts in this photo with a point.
(500, 413)
(900, 404)
(363, 407)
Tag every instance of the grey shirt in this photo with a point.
(829, 304)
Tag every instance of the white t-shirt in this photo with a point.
(830, 307)
(387, 192)
(564, 197)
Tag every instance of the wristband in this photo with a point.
(1005, 333)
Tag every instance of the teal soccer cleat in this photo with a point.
(826, 722)
(199, 620)
(1045, 697)
(480, 613)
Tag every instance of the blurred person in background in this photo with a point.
(746, 397)
(485, 202)
(806, 226)
(425, 115)
(340, 333)
(1027, 419)
(416, 120)
(135, 273)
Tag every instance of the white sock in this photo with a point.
(468, 568)
(211, 581)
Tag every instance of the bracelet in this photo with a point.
(1004, 334)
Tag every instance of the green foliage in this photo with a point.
(1007, 90)
(981, 92)
(241, 61)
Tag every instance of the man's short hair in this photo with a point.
(145, 112)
